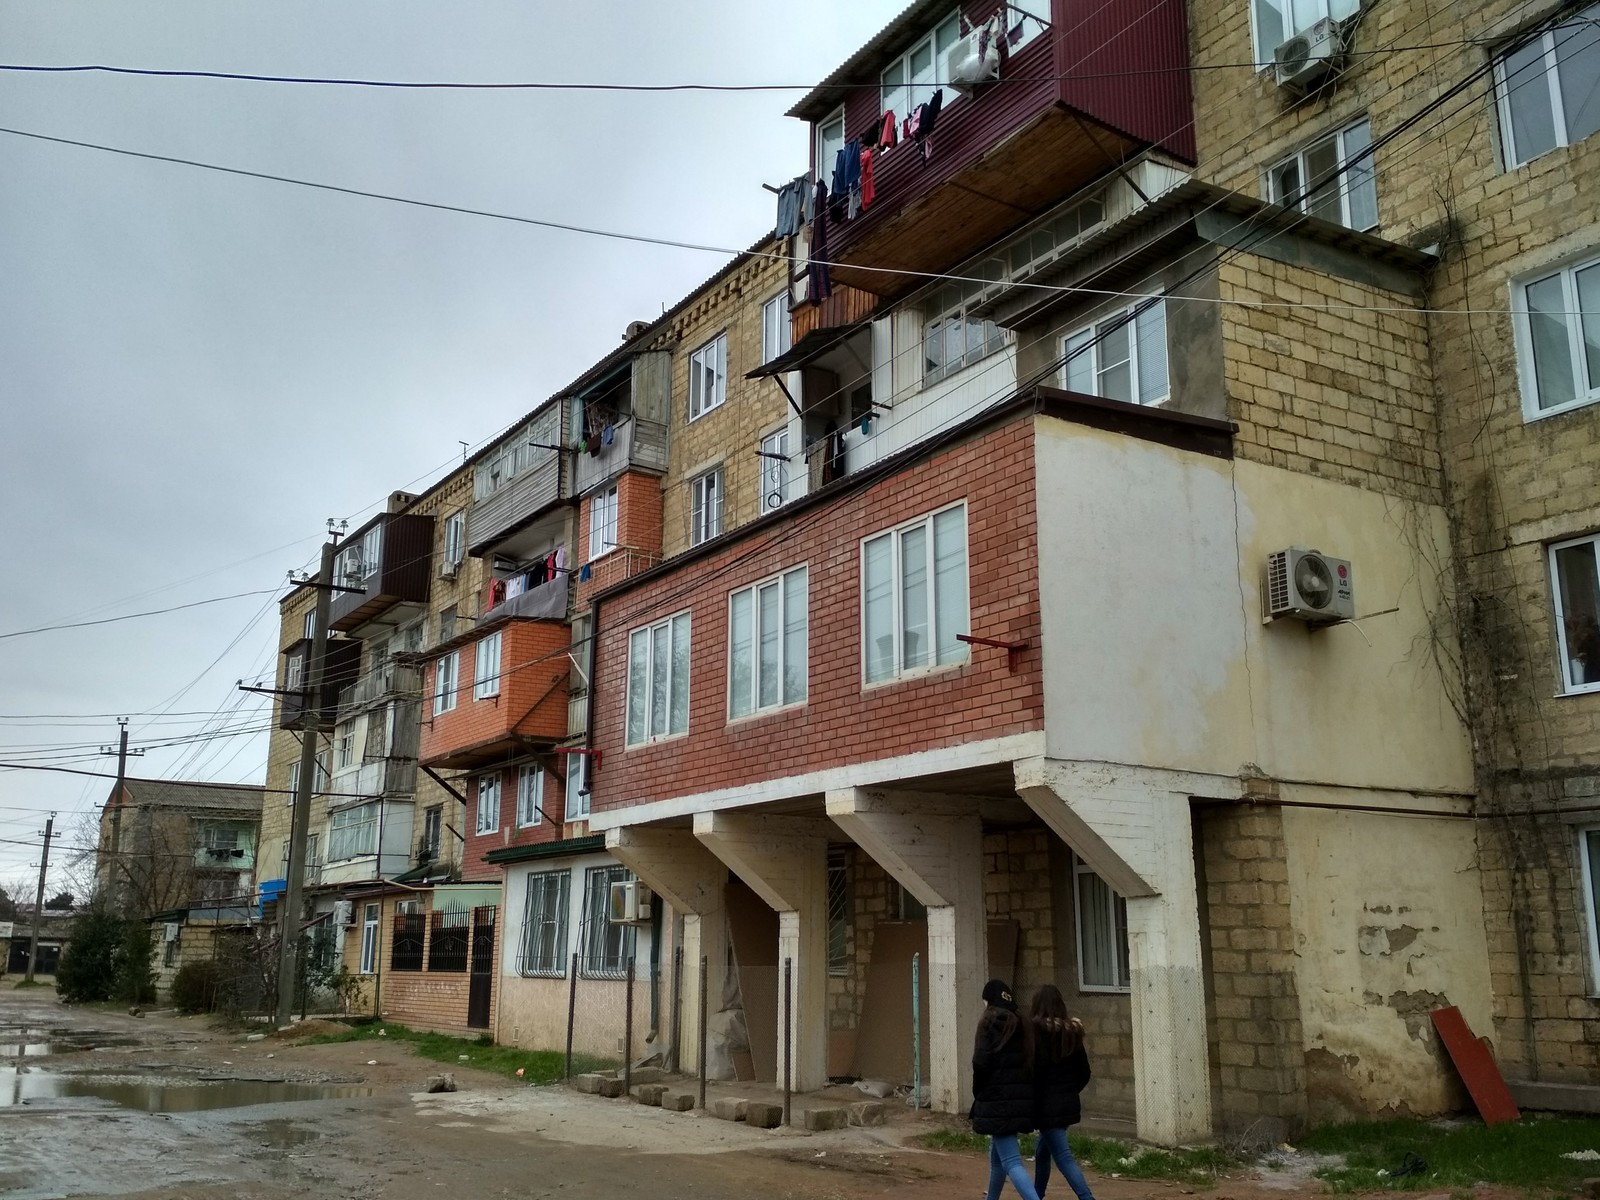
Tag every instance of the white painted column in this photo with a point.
(1133, 828)
(933, 847)
(784, 860)
(689, 877)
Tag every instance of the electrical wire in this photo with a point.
(155, 612)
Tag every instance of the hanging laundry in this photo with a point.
(497, 593)
(558, 560)
(537, 575)
(583, 574)
(868, 191)
(515, 586)
(592, 443)
(551, 566)
(794, 206)
(818, 285)
(928, 117)
(608, 434)
(891, 131)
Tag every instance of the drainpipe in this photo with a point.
(594, 689)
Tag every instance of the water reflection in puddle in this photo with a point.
(33, 1085)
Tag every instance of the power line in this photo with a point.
(154, 612)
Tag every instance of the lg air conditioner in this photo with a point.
(1309, 586)
(965, 67)
(630, 903)
(1308, 58)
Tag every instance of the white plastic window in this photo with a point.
(1102, 932)
(1333, 178)
(915, 596)
(1575, 574)
(1557, 318)
(708, 377)
(1121, 359)
(1549, 89)
(767, 644)
(658, 681)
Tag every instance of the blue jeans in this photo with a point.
(1005, 1162)
(1053, 1145)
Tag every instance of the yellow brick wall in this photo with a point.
(730, 435)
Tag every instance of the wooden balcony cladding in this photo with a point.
(1069, 106)
(846, 306)
(340, 669)
(636, 444)
(518, 502)
(404, 574)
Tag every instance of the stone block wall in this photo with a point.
(1258, 1060)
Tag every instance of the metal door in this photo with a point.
(480, 978)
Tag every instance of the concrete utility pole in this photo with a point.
(122, 753)
(310, 719)
(38, 900)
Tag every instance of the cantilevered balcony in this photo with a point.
(389, 560)
(495, 693)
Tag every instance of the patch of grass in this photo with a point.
(1527, 1153)
(28, 983)
(1198, 1167)
(538, 1066)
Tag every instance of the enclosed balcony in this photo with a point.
(1069, 98)
(623, 414)
(520, 479)
(340, 668)
(496, 693)
(386, 682)
(390, 561)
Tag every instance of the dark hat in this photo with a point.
(998, 993)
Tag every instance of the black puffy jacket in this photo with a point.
(1002, 1082)
(1057, 1082)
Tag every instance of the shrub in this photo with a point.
(136, 981)
(88, 968)
(194, 987)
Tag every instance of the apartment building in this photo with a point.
(1125, 596)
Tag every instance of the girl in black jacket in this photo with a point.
(1002, 1087)
(1060, 1072)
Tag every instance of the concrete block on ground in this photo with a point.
(818, 1120)
(648, 1075)
(1555, 1097)
(610, 1088)
(677, 1101)
(589, 1084)
(763, 1116)
(729, 1109)
(650, 1093)
(868, 1112)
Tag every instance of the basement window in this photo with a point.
(1102, 918)
(1575, 575)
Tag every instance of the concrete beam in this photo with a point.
(678, 868)
(1133, 828)
(784, 860)
(933, 847)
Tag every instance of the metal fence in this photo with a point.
(622, 1012)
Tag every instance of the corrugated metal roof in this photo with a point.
(172, 793)
(861, 66)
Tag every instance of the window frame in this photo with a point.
(597, 926)
(444, 698)
(900, 673)
(455, 538)
(1096, 341)
(706, 513)
(753, 591)
(528, 807)
(955, 300)
(1510, 157)
(1342, 165)
(487, 784)
(560, 925)
(433, 830)
(907, 85)
(1119, 937)
(1558, 608)
(604, 510)
(1527, 371)
(718, 346)
(840, 912)
(346, 822)
(822, 141)
(371, 922)
(782, 331)
(487, 686)
(1265, 54)
(576, 801)
(666, 623)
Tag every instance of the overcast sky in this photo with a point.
(197, 369)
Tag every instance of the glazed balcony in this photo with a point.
(520, 479)
(520, 706)
(390, 561)
(340, 667)
(390, 681)
(1061, 113)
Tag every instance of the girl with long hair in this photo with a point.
(1002, 1087)
(1060, 1072)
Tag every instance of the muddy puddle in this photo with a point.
(34, 1086)
(25, 1041)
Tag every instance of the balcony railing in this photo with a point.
(622, 563)
(577, 714)
(384, 683)
(635, 443)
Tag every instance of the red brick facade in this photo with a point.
(638, 535)
(842, 722)
(507, 832)
(533, 692)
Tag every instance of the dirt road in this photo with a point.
(110, 1105)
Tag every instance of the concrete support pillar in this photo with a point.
(784, 860)
(933, 847)
(1134, 830)
(679, 869)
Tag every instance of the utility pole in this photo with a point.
(38, 900)
(122, 753)
(310, 722)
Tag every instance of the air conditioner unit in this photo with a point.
(630, 903)
(448, 569)
(1309, 586)
(344, 913)
(1309, 57)
(965, 67)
